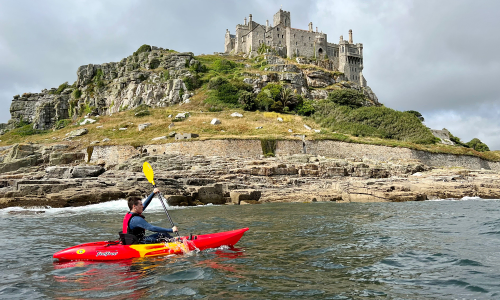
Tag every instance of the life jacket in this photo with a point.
(138, 232)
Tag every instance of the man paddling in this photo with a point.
(135, 226)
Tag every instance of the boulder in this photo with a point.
(87, 121)
(178, 200)
(237, 115)
(215, 121)
(210, 194)
(58, 158)
(238, 195)
(185, 136)
(141, 127)
(87, 171)
(78, 132)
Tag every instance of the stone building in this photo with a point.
(345, 56)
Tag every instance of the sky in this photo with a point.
(436, 57)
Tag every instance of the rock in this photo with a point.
(171, 126)
(307, 127)
(58, 172)
(105, 140)
(317, 130)
(185, 136)
(171, 134)
(141, 127)
(159, 138)
(178, 200)
(87, 121)
(237, 115)
(181, 115)
(260, 127)
(123, 128)
(87, 171)
(94, 142)
(289, 130)
(210, 194)
(280, 119)
(238, 195)
(443, 135)
(58, 158)
(215, 122)
(100, 126)
(78, 132)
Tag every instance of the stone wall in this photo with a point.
(332, 149)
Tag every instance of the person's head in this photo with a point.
(135, 204)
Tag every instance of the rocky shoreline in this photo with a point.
(56, 176)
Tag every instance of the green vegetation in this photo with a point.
(62, 123)
(77, 94)
(268, 147)
(60, 89)
(97, 79)
(416, 114)
(477, 145)
(143, 48)
(381, 122)
(27, 130)
(142, 111)
(154, 63)
(166, 75)
(350, 98)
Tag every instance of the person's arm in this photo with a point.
(148, 200)
(140, 222)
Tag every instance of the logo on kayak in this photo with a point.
(81, 251)
(106, 253)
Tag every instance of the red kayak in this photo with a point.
(115, 250)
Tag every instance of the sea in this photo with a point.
(447, 249)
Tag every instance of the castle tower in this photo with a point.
(310, 26)
(350, 36)
(282, 17)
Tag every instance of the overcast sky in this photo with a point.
(440, 58)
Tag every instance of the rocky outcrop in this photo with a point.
(153, 78)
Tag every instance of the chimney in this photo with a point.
(341, 38)
(250, 19)
(350, 36)
(245, 21)
(267, 25)
(316, 29)
(310, 26)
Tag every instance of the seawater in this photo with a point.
(413, 250)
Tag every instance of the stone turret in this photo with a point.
(310, 26)
(350, 36)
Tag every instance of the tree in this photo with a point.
(288, 98)
(347, 97)
(477, 145)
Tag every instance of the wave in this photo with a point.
(118, 206)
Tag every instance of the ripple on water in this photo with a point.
(188, 275)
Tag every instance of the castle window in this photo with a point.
(277, 29)
(309, 38)
(296, 43)
(281, 36)
(294, 35)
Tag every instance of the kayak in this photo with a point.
(115, 250)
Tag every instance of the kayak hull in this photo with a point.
(102, 251)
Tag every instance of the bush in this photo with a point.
(477, 145)
(62, 123)
(166, 75)
(27, 130)
(77, 94)
(247, 100)
(227, 93)
(304, 107)
(224, 65)
(154, 63)
(60, 89)
(143, 48)
(217, 81)
(347, 97)
(377, 121)
(416, 114)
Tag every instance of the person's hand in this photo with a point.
(156, 191)
(174, 229)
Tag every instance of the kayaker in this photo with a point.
(135, 226)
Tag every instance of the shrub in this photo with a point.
(228, 93)
(377, 121)
(192, 82)
(477, 145)
(347, 97)
(142, 110)
(268, 147)
(27, 130)
(62, 123)
(304, 107)
(264, 100)
(223, 65)
(77, 94)
(143, 48)
(154, 63)
(60, 89)
(217, 81)
(416, 114)
(456, 140)
(247, 100)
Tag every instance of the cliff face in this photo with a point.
(156, 78)
(153, 78)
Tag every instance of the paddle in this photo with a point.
(148, 171)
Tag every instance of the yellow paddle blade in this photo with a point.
(148, 171)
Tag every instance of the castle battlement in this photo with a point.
(346, 56)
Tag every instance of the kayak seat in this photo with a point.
(128, 239)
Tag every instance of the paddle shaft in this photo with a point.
(166, 211)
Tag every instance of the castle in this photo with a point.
(346, 56)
